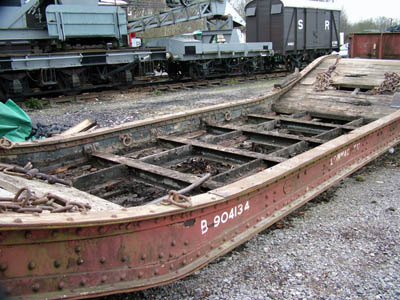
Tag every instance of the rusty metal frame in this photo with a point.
(91, 254)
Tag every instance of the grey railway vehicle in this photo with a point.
(300, 30)
(47, 45)
(66, 45)
(48, 25)
(216, 12)
(202, 58)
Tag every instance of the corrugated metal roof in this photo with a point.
(311, 4)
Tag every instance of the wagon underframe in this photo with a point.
(263, 168)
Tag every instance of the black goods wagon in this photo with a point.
(300, 30)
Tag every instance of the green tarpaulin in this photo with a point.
(15, 124)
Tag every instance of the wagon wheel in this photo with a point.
(71, 81)
(290, 64)
(175, 71)
(248, 69)
(195, 73)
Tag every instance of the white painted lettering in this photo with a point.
(224, 217)
(327, 24)
(300, 24)
(204, 227)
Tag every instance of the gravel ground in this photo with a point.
(343, 245)
(126, 107)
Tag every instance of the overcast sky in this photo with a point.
(358, 10)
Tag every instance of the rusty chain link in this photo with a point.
(25, 201)
(323, 80)
(178, 199)
(28, 172)
(390, 85)
(5, 143)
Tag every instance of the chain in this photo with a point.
(390, 85)
(5, 143)
(28, 172)
(178, 199)
(323, 80)
(25, 201)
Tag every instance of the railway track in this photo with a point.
(156, 84)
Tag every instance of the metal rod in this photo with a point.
(184, 190)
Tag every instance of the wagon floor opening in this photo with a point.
(227, 151)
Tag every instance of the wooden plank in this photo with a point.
(273, 134)
(82, 126)
(153, 169)
(357, 82)
(332, 109)
(227, 150)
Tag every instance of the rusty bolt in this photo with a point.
(83, 282)
(248, 225)
(102, 260)
(57, 263)
(31, 265)
(171, 255)
(122, 277)
(80, 261)
(103, 278)
(173, 243)
(184, 252)
(124, 258)
(140, 275)
(3, 267)
(161, 255)
(114, 216)
(224, 239)
(143, 257)
(28, 234)
(198, 254)
(156, 272)
(186, 243)
(78, 249)
(70, 219)
(61, 285)
(184, 262)
(17, 220)
(35, 287)
(171, 267)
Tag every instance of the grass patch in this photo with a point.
(34, 103)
